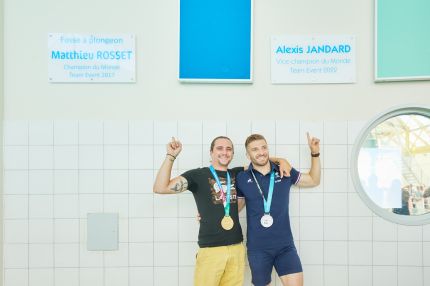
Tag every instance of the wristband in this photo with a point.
(315, 154)
(171, 156)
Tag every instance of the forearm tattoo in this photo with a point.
(180, 186)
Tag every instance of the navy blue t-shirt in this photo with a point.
(279, 234)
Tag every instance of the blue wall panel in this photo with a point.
(215, 40)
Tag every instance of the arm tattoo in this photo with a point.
(180, 186)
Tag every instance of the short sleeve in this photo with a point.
(235, 171)
(295, 176)
(239, 193)
(189, 176)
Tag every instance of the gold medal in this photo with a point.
(227, 223)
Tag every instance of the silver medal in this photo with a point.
(266, 220)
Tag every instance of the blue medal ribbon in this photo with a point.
(227, 197)
(267, 203)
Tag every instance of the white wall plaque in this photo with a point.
(313, 59)
(91, 58)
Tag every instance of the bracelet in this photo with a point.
(315, 154)
(171, 156)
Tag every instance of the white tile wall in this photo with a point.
(15, 157)
(360, 228)
(140, 157)
(360, 252)
(40, 256)
(90, 132)
(336, 275)
(410, 276)
(335, 253)
(385, 275)
(41, 277)
(66, 255)
(116, 276)
(164, 131)
(115, 181)
(360, 275)
(66, 182)
(165, 276)
(15, 206)
(336, 228)
(335, 132)
(287, 132)
(115, 133)
(141, 132)
(190, 132)
(41, 157)
(15, 182)
(16, 231)
(66, 276)
(384, 253)
(91, 277)
(165, 229)
(238, 131)
(265, 127)
(16, 277)
(91, 259)
(41, 132)
(16, 133)
(90, 157)
(311, 228)
(41, 231)
(56, 172)
(66, 230)
(15, 255)
(66, 132)
(117, 258)
(212, 129)
(66, 157)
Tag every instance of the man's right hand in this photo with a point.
(174, 147)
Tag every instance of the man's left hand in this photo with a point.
(314, 144)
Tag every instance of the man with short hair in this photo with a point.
(270, 241)
(221, 257)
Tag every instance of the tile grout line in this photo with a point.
(103, 195)
(397, 253)
(28, 205)
(422, 254)
(79, 209)
(347, 203)
(153, 203)
(323, 209)
(348, 161)
(53, 200)
(128, 204)
(373, 249)
(177, 206)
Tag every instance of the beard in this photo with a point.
(260, 162)
(224, 162)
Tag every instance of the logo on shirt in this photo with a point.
(277, 177)
(216, 192)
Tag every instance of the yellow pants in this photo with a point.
(220, 266)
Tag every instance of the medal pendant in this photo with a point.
(266, 220)
(227, 223)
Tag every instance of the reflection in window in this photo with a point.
(394, 165)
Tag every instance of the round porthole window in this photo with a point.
(391, 165)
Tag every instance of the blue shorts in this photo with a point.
(286, 261)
